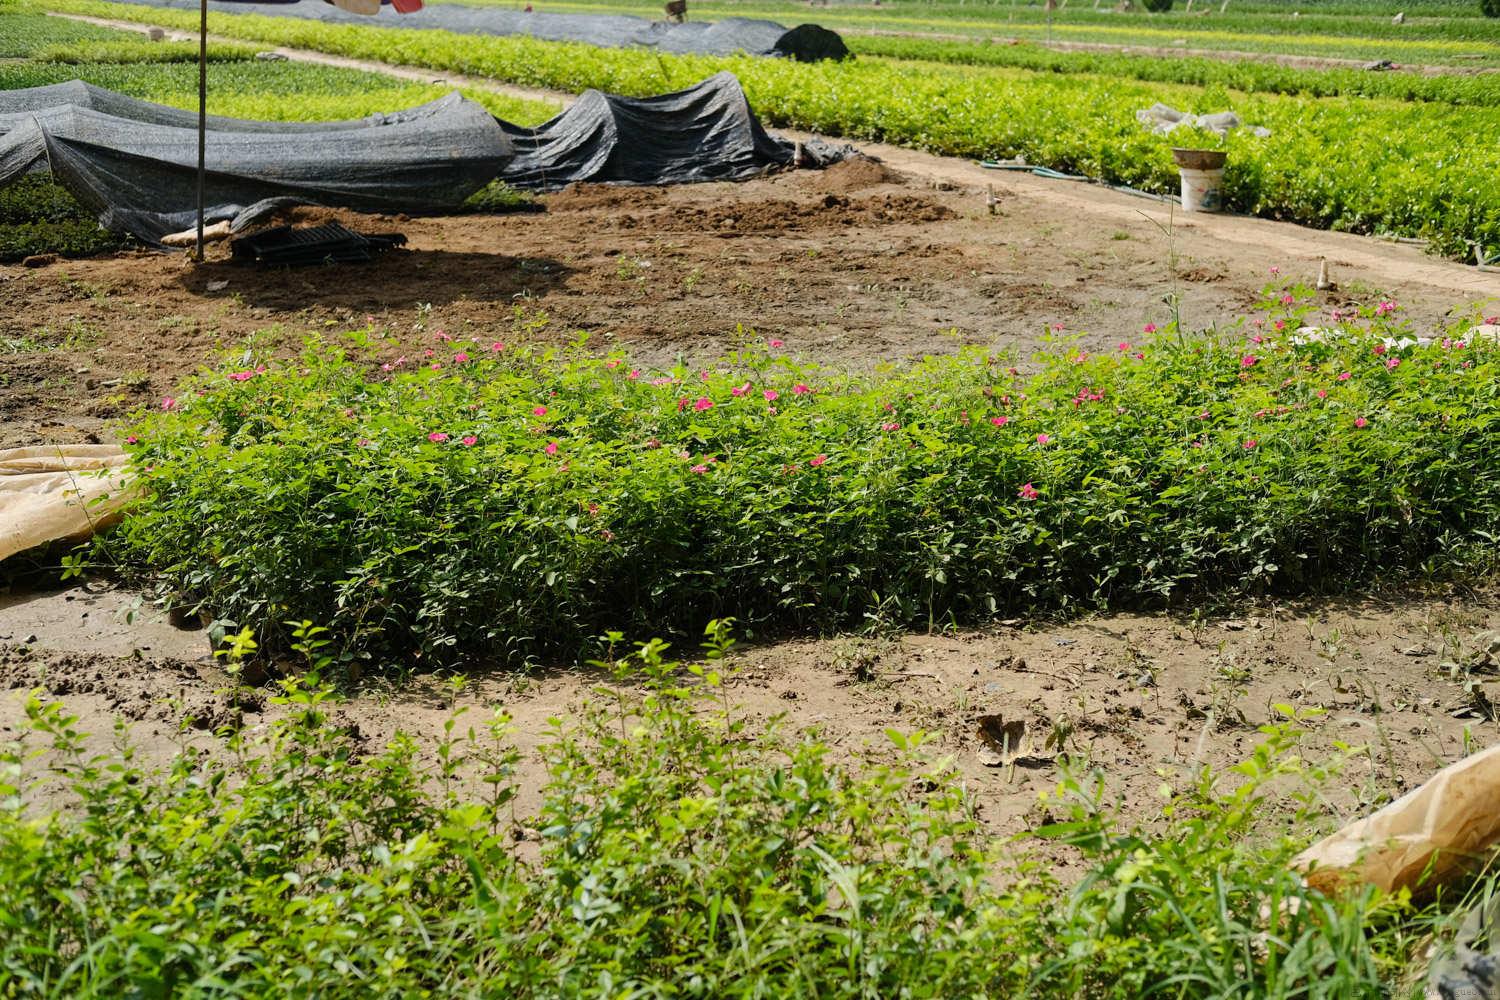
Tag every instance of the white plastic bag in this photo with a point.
(1437, 831)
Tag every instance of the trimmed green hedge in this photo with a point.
(483, 500)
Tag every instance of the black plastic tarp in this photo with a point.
(805, 42)
(135, 163)
(705, 133)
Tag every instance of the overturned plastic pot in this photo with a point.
(1202, 172)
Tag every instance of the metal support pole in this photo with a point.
(202, 116)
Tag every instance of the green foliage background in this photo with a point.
(1351, 163)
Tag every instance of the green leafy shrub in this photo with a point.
(23, 33)
(476, 499)
(1242, 75)
(497, 197)
(1157, 6)
(1490, 8)
(678, 851)
(38, 216)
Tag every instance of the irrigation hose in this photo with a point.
(1058, 175)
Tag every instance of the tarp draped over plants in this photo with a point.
(138, 172)
(134, 163)
(805, 42)
(706, 133)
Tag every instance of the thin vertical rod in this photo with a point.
(202, 115)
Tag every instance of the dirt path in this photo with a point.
(1143, 698)
(1371, 260)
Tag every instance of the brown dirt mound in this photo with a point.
(853, 277)
(832, 211)
(855, 174)
(588, 197)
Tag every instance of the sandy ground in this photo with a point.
(859, 264)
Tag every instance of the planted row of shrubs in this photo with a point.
(1249, 77)
(39, 216)
(471, 498)
(676, 852)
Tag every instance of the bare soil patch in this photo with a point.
(1145, 698)
(853, 265)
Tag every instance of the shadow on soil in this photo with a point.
(394, 279)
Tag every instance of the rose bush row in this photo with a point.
(477, 498)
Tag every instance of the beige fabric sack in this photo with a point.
(1426, 837)
(48, 493)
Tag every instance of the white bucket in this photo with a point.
(1202, 190)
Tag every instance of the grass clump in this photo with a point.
(473, 499)
(677, 852)
(498, 197)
